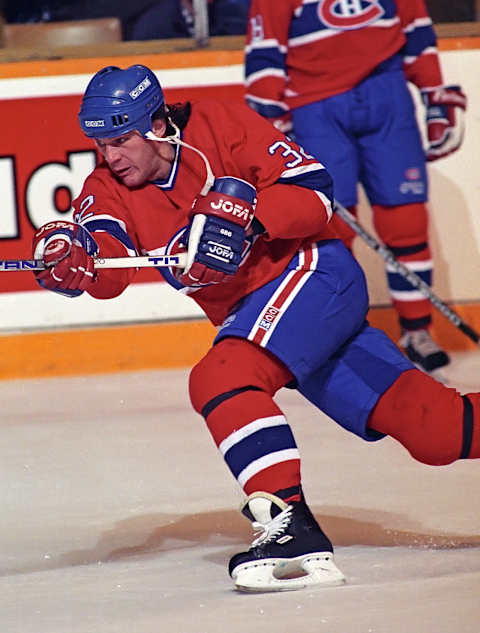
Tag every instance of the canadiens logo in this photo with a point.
(413, 173)
(349, 14)
(413, 183)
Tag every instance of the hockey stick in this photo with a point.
(410, 276)
(154, 261)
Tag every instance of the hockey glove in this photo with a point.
(216, 234)
(66, 250)
(445, 108)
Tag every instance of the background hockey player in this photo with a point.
(338, 71)
(252, 208)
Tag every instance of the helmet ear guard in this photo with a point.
(119, 101)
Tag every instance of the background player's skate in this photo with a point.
(414, 279)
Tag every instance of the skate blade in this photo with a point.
(288, 574)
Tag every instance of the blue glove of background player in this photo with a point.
(217, 232)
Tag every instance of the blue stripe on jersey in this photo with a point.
(418, 40)
(263, 59)
(267, 110)
(309, 21)
(259, 444)
(399, 283)
(112, 227)
(318, 180)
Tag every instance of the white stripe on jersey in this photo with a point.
(249, 429)
(315, 36)
(295, 171)
(431, 50)
(326, 203)
(418, 266)
(271, 43)
(417, 23)
(103, 216)
(264, 462)
(266, 72)
(312, 37)
(407, 295)
(304, 169)
(286, 302)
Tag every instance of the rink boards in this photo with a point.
(45, 159)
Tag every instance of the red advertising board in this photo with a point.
(44, 159)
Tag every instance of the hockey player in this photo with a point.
(252, 209)
(338, 72)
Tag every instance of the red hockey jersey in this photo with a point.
(294, 194)
(302, 51)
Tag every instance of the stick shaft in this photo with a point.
(157, 261)
(410, 276)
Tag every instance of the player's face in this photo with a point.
(135, 160)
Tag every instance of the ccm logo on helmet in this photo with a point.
(227, 206)
(99, 123)
(142, 86)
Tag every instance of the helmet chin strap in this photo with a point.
(175, 139)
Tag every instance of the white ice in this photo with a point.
(119, 516)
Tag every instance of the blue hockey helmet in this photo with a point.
(118, 101)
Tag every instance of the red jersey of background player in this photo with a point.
(301, 52)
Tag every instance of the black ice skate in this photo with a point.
(291, 552)
(422, 350)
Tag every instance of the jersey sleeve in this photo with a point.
(265, 56)
(420, 54)
(100, 211)
(294, 190)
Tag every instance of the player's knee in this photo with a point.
(230, 368)
(402, 225)
(211, 377)
(434, 423)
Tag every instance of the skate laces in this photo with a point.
(267, 532)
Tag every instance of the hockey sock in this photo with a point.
(404, 230)
(232, 388)
(435, 423)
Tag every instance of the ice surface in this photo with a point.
(119, 516)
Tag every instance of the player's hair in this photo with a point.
(177, 113)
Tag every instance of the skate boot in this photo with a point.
(291, 551)
(422, 350)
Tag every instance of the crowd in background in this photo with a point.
(160, 19)
(141, 19)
